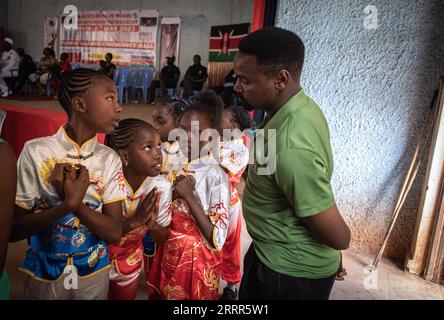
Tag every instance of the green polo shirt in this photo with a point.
(274, 202)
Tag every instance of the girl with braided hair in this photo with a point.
(146, 209)
(165, 120)
(233, 158)
(188, 265)
(69, 195)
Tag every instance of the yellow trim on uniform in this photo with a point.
(214, 239)
(165, 161)
(154, 287)
(168, 224)
(22, 205)
(76, 145)
(31, 274)
(114, 200)
(154, 253)
(141, 185)
(69, 262)
(95, 272)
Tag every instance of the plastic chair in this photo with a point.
(142, 80)
(13, 81)
(122, 83)
(48, 85)
(133, 80)
(2, 119)
(116, 76)
(196, 92)
(171, 92)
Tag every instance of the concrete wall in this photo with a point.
(26, 20)
(374, 86)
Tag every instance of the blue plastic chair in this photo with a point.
(116, 76)
(122, 83)
(30, 85)
(48, 85)
(142, 80)
(171, 92)
(133, 80)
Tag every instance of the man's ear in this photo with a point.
(282, 79)
(123, 154)
(78, 104)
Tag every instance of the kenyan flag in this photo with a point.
(224, 41)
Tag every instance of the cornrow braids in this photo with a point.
(123, 136)
(74, 84)
(176, 106)
(242, 118)
(210, 104)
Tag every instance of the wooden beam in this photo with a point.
(417, 256)
(432, 270)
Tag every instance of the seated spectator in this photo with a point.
(26, 67)
(226, 91)
(168, 79)
(9, 61)
(194, 78)
(64, 64)
(109, 67)
(102, 64)
(46, 66)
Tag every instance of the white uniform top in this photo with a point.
(173, 158)
(37, 161)
(9, 60)
(133, 199)
(233, 156)
(212, 190)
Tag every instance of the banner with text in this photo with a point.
(130, 35)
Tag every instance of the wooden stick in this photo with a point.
(410, 177)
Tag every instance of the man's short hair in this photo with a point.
(275, 49)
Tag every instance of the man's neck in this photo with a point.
(283, 99)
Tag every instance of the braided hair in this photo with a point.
(176, 106)
(210, 104)
(74, 84)
(123, 136)
(242, 117)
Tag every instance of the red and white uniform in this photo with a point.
(186, 266)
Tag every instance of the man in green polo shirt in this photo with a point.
(288, 202)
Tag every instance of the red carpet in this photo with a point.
(24, 123)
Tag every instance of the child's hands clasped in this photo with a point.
(71, 183)
(148, 209)
(184, 186)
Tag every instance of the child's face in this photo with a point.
(164, 122)
(144, 153)
(185, 124)
(101, 108)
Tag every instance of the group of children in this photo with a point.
(139, 203)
